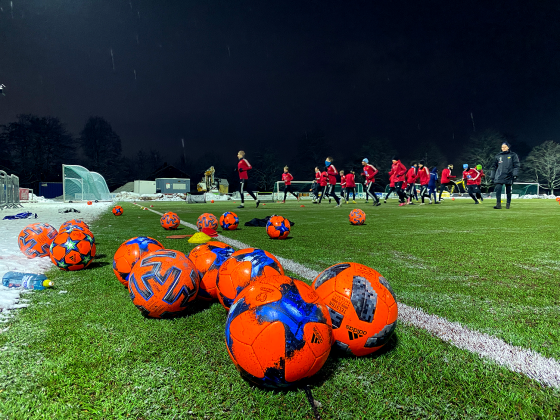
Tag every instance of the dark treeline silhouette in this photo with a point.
(36, 147)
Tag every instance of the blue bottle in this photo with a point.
(26, 280)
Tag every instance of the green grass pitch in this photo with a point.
(89, 354)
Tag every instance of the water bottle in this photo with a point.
(26, 280)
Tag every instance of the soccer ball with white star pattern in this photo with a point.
(72, 250)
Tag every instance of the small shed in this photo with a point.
(173, 185)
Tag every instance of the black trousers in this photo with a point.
(424, 192)
(288, 189)
(328, 191)
(351, 190)
(369, 192)
(443, 186)
(471, 189)
(243, 186)
(498, 191)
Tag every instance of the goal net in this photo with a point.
(303, 188)
(79, 184)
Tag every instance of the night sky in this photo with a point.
(230, 75)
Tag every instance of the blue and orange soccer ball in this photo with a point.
(163, 283)
(278, 227)
(129, 253)
(229, 221)
(34, 240)
(170, 221)
(357, 217)
(242, 267)
(74, 222)
(207, 220)
(208, 258)
(361, 304)
(278, 332)
(72, 250)
(118, 210)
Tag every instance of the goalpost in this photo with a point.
(79, 184)
(303, 189)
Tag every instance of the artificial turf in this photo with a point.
(88, 352)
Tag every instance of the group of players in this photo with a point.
(402, 181)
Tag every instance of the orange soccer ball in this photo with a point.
(118, 210)
(170, 221)
(278, 332)
(163, 283)
(34, 240)
(240, 269)
(357, 217)
(208, 258)
(278, 227)
(89, 203)
(72, 250)
(207, 220)
(129, 253)
(362, 306)
(229, 221)
(74, 222)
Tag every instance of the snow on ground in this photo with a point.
(12, 259)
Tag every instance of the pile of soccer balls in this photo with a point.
(70, 248)
(279, 330)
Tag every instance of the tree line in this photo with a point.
(36, 147)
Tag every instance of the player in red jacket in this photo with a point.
(242, 167)
(323, 184)
(398, 171)
(479, 182)
(369, 173)
(351, 186)
(471, 175)
(329, 189)
(424, 179)
(411, 176)
(288, 178)
(446, 179)
(316, 185)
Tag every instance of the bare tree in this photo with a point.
(544, 162)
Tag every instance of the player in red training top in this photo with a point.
(316, 187)
(242, 167)
(411, 176)
(479, 182)
(323, 184)
(369, 173)
(288, 178)
(446, 179)
(471, 175)
(351, 186)
(398, 172)
(329, 189)
(424, 178)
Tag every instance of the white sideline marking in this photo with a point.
(517, 359)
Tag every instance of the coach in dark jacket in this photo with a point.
(504, 170)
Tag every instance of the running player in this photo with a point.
(411, 176)
(288, 178)
(242, 167)
(432, 185)
(471, 175)
(369, 173)
(316, 185)
(398, 170)
(424, 178)
(351, 186)
(331, 174)
(479, 182)
(446, 179)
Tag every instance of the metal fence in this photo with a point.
(9, 191)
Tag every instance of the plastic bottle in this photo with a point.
(26, 280)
